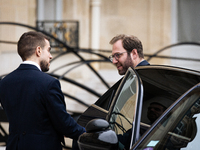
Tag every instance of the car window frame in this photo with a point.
(139, 100)
(145, 136)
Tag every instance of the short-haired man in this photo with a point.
(33, 100)
(127, 51)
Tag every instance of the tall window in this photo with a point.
(188, 20)
(49, 9)
(186, 28)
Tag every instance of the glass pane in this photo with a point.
(187, 12)
(166, 84)
(178, 128)
(194, 144)
(123, 112)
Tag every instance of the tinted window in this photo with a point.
(179, 128)
(121, 117)
(125, 112)
(165, 84)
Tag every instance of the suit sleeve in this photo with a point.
(61, 120)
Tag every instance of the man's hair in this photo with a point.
(129, 42)
(28, 43)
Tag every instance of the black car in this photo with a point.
(120, 118)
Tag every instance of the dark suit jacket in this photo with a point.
(35, 107)
(143, 63)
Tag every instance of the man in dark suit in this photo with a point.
(33, 100)
(127, 51)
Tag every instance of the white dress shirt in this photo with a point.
(32, 63)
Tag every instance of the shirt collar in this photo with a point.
(32, 63)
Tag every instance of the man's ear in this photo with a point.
(134, 53)
(38, 51)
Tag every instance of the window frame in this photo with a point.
(138, 107)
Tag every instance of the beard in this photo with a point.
(44, 66)
(126, 64)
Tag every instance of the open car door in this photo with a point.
(123, 116)
(125, 111)
(177, 129)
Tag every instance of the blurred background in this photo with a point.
(80, 32)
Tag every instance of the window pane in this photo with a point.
(188, 24)
(178, 128)
(123, 112)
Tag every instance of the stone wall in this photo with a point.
(150, 21)
(19, 11)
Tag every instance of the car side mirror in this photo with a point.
(96, 125)
(98, 136)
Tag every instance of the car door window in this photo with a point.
(122, 114)
(179, 128)
(125, 112)
(164, 85)
(195, 143)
